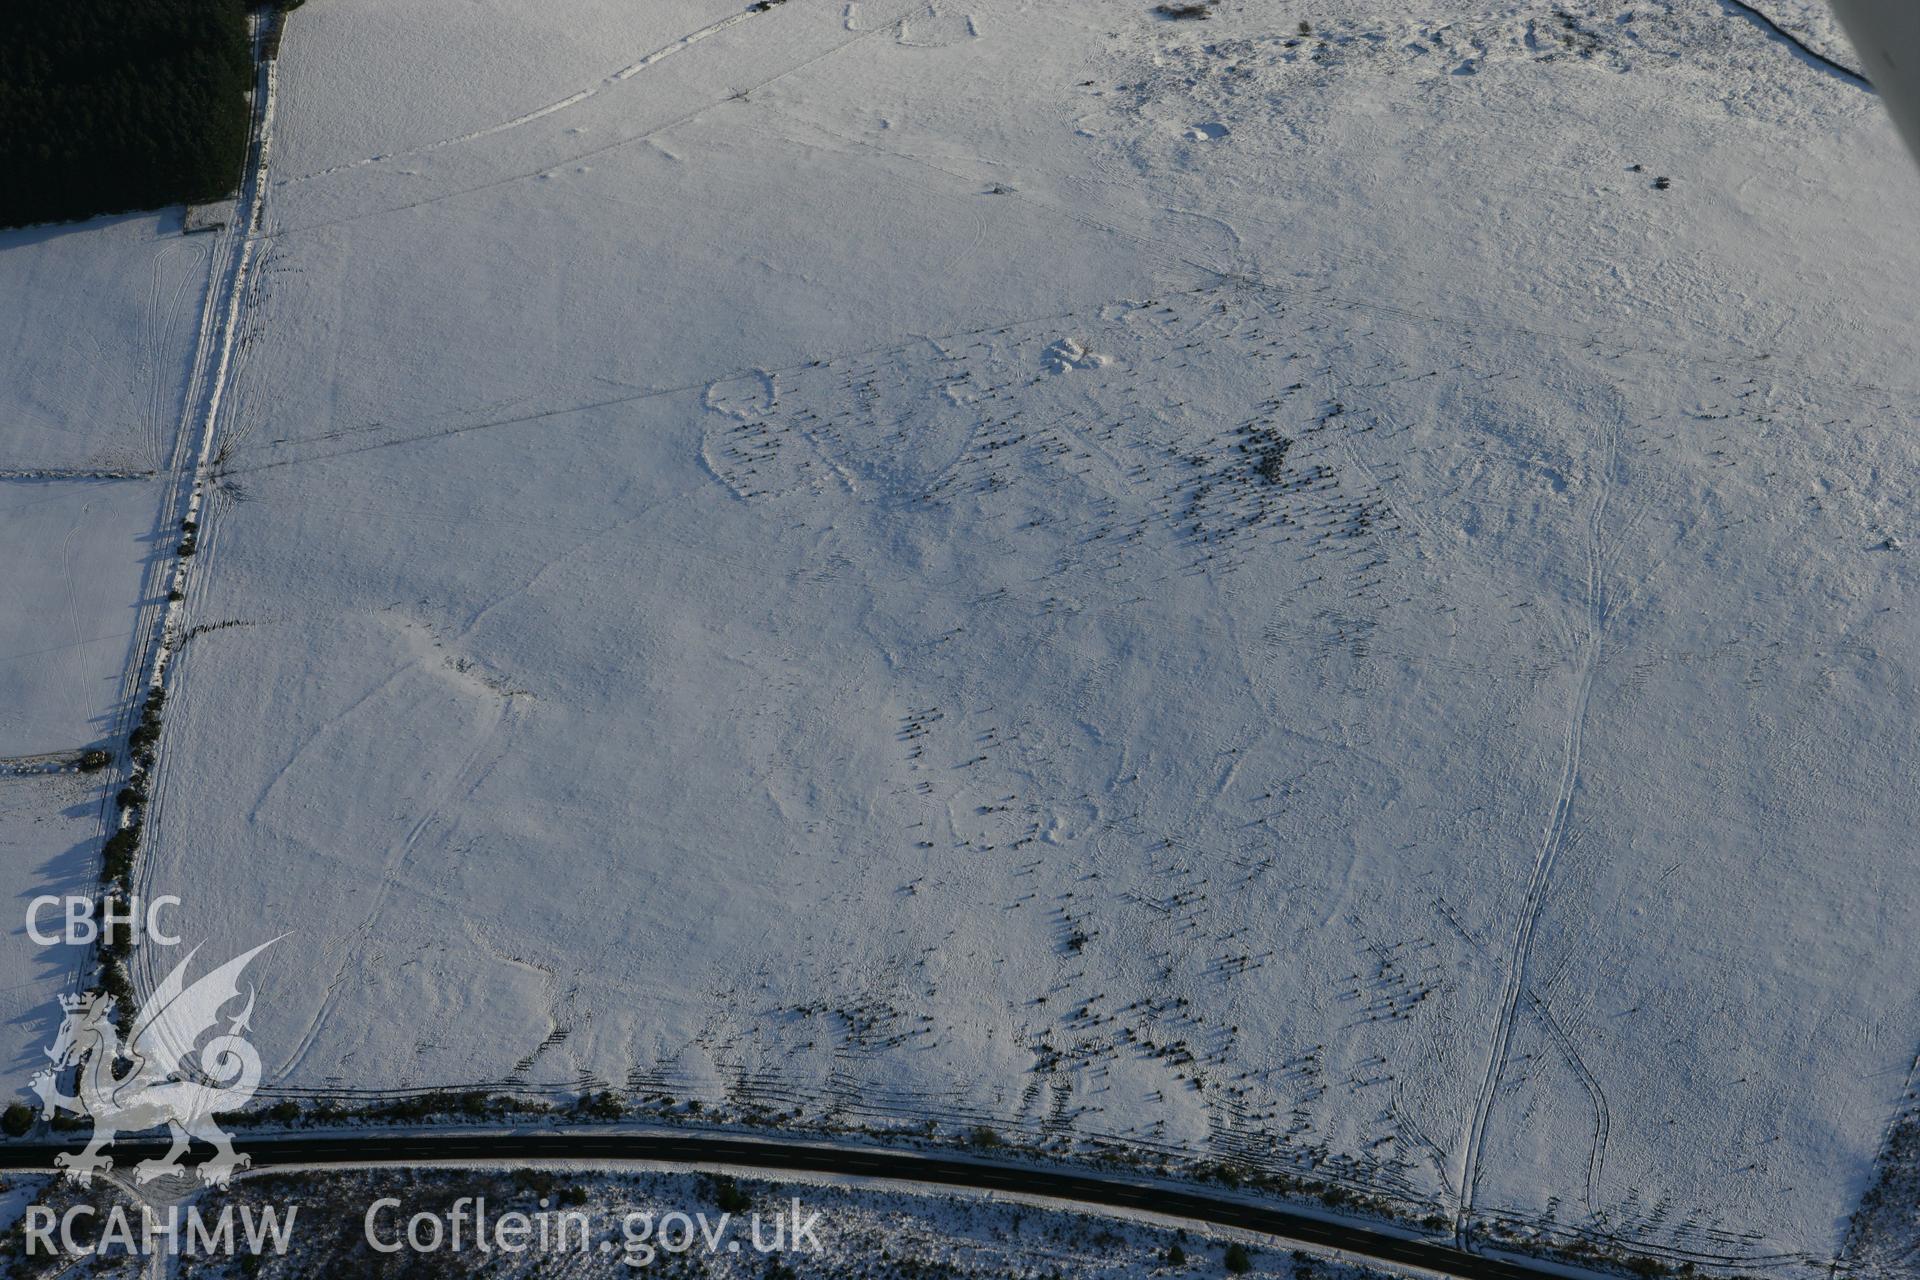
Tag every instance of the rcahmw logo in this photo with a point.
(189, 1234)
(174, 1079)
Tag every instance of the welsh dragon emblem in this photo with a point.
(170, 1081)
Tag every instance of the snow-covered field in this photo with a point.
(1325, 586)
(50, 829)
(76, 550)
(98, 321)
(98, 324)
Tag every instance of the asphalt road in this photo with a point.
(1095, 1190)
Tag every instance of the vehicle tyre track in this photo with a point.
(622, 75)
(1588, 663)
(459, 783)
(1602, 1114)
(189, 470)
(685, 117)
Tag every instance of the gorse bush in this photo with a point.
(111, 105)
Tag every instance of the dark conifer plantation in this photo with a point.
(111, 105)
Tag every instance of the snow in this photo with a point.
(50, 829)
(78, 545)
(1262, 594)
(98, 322)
